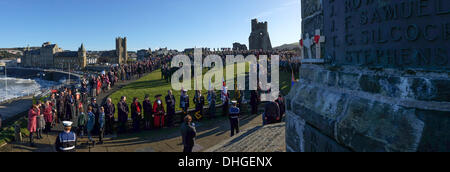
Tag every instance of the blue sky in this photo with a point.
(175, 24)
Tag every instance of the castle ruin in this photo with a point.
(259, 38)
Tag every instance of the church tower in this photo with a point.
(82, 57)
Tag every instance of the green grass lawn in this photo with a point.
(152, 84)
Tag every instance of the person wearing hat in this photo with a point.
(136, 114)
(199, 101)
(158, 112)
(234, 118)
(170, 103)
(148, 112)
(66, 141)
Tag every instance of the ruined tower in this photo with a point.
(121, 51)
(259, 38)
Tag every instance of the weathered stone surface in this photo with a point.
(404, 34)
(360, 118)
(301, 137)
(420, 86)
(385, 84)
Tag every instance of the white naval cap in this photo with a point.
(67, 123)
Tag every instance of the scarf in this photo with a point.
(137, 107)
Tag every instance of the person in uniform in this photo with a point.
(199, 101)
(184, 103)
(158, 112)
(234, 118)
(212, 104)
(66, 141)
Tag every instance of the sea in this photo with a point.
(11, 88)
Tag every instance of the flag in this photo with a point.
(293, 78)
(210, 86)
(224, 90)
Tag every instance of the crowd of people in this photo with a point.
(78, 107)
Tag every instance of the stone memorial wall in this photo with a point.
(411, 34)
(382, 82)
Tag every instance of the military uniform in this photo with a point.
(66, 141)
(234, 119)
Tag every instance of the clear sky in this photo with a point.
(176, 24)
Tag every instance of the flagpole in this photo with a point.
(6, 84)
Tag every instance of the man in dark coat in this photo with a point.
(109, 116)
(61, 108)
(281, 105)
(170, 102)
(148, 112)
(136, 114)
(271, 113)
(70, 103)
(123, 113)
(188, 134)
(95, 111)
(254, 101)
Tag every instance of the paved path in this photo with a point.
(210, 133)
(270, 138)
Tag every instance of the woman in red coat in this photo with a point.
(48, 116)
(99, 85)
(158, 112)
(32, 121)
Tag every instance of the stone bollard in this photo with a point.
(18, 134)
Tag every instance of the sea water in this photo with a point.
(17, 87)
